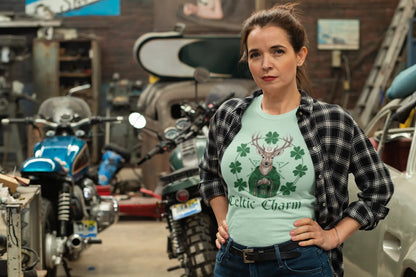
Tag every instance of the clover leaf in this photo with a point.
(240, 184)
(235, 167)
(289, 187)
(272, 137)
(297, 152)
(300, 170)
(243, 149)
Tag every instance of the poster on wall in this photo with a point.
(48, 9)
(338, 34)
(201, 15)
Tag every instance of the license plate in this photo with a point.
(186, 209)
(86, 228)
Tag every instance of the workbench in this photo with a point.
(23, 211)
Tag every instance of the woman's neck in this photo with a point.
(280, 103)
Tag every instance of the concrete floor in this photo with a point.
(133, 247)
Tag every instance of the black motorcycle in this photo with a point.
(191, 223)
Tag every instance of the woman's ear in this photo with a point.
(301, 56)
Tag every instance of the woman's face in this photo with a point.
(272, 59)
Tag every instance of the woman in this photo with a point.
(275, 170)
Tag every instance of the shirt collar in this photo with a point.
(306, 102)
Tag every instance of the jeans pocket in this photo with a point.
(221, 253)
(313, 261)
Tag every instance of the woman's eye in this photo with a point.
(279, 51)
(253, 55)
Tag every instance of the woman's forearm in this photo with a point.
(219, 205)
(345, 228)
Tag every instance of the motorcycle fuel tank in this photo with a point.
(188, 154)
(66, 155)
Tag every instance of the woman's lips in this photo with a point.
(269, 78)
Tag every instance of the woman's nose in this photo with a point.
(266, 63)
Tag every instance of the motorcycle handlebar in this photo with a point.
(85, 121)
(158, 149)
(215, 105)
(26, 120)
(199, 122)
(99, 119)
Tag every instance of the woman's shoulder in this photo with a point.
(234, 104)
(333, 111)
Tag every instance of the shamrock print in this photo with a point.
(235, 167)
(300, 170)
(297, 152)
(272, 138)
(243, 150)
(240, 184)
(289, 187)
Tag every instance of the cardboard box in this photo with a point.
(12, 182)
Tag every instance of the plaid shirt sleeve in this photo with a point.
(212, 184)
(372, 178)
(225, 124)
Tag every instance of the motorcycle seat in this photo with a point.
(179, 174)
(119, 150)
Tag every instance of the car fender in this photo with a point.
(409, 260)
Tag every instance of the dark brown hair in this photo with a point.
(285, 17)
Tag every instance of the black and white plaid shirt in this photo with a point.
(337, 146)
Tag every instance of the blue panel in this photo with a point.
(411, 44)
(102, 7)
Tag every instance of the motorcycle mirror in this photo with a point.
(201, 74)
(78, 89)
(137, 120)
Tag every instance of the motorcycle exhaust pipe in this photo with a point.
(75, 243)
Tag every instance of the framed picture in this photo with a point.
(202, 15)
(338, 34)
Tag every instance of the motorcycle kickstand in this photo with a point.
(66, 268)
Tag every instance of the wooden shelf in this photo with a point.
(63, 64)
(74, 75)
(73, 59)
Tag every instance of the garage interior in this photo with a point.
(121, 56)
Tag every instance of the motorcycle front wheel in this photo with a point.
(48, 237)
(200, 247)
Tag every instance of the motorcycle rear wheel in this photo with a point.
(200, 248)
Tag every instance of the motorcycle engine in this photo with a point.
(102, 209)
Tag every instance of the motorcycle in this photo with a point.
(72, 211)
(190, 221)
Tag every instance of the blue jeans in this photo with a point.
(313, 262)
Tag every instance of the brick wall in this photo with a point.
(374, 17)
(117, 35)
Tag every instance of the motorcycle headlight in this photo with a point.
(88, 193)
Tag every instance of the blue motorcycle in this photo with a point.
(72, 211)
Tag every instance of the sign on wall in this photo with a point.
(338, 34)
(51, 8)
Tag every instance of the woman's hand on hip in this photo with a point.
(222, 234)
(309, 232)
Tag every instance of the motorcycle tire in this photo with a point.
(200, 247)
(48, 226)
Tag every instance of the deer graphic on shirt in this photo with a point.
(264, 181)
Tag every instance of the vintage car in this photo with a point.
(390, 249)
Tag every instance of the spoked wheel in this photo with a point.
(49, 238)
(200, 247)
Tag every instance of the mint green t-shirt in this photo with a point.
(270, 178)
